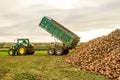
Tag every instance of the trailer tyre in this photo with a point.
(59, 51)
(22, 50)
(51, 51)
(11, 52)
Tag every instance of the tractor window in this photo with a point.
(27, 41)
(20, 41)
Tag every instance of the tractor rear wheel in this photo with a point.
(11, 52)
(22, 50)
(59, 51)
(51, 51)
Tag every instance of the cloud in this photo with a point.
(21, 17)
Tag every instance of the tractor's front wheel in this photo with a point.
(11, 52)
(22, 50)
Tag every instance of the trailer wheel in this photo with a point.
(51, 51)
(11, 52)
(59, 51)
(22, 50)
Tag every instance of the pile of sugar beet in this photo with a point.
(100, 55)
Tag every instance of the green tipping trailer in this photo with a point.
(67, 37)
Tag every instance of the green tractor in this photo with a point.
(22, 47)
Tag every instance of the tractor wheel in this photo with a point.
(22, 50)
(59, 51)
(11, 52)
(51, 51)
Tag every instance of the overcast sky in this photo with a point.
(86, 18)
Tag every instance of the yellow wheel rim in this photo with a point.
(21, 50)
(11, 52)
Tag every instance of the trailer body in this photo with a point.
(60, 32)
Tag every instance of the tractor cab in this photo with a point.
(24, 42)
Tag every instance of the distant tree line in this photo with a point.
(36, 45)
(5, 45)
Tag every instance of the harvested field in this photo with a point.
(100, 55)
(41, 66)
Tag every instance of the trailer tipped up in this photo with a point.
(67, 37)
